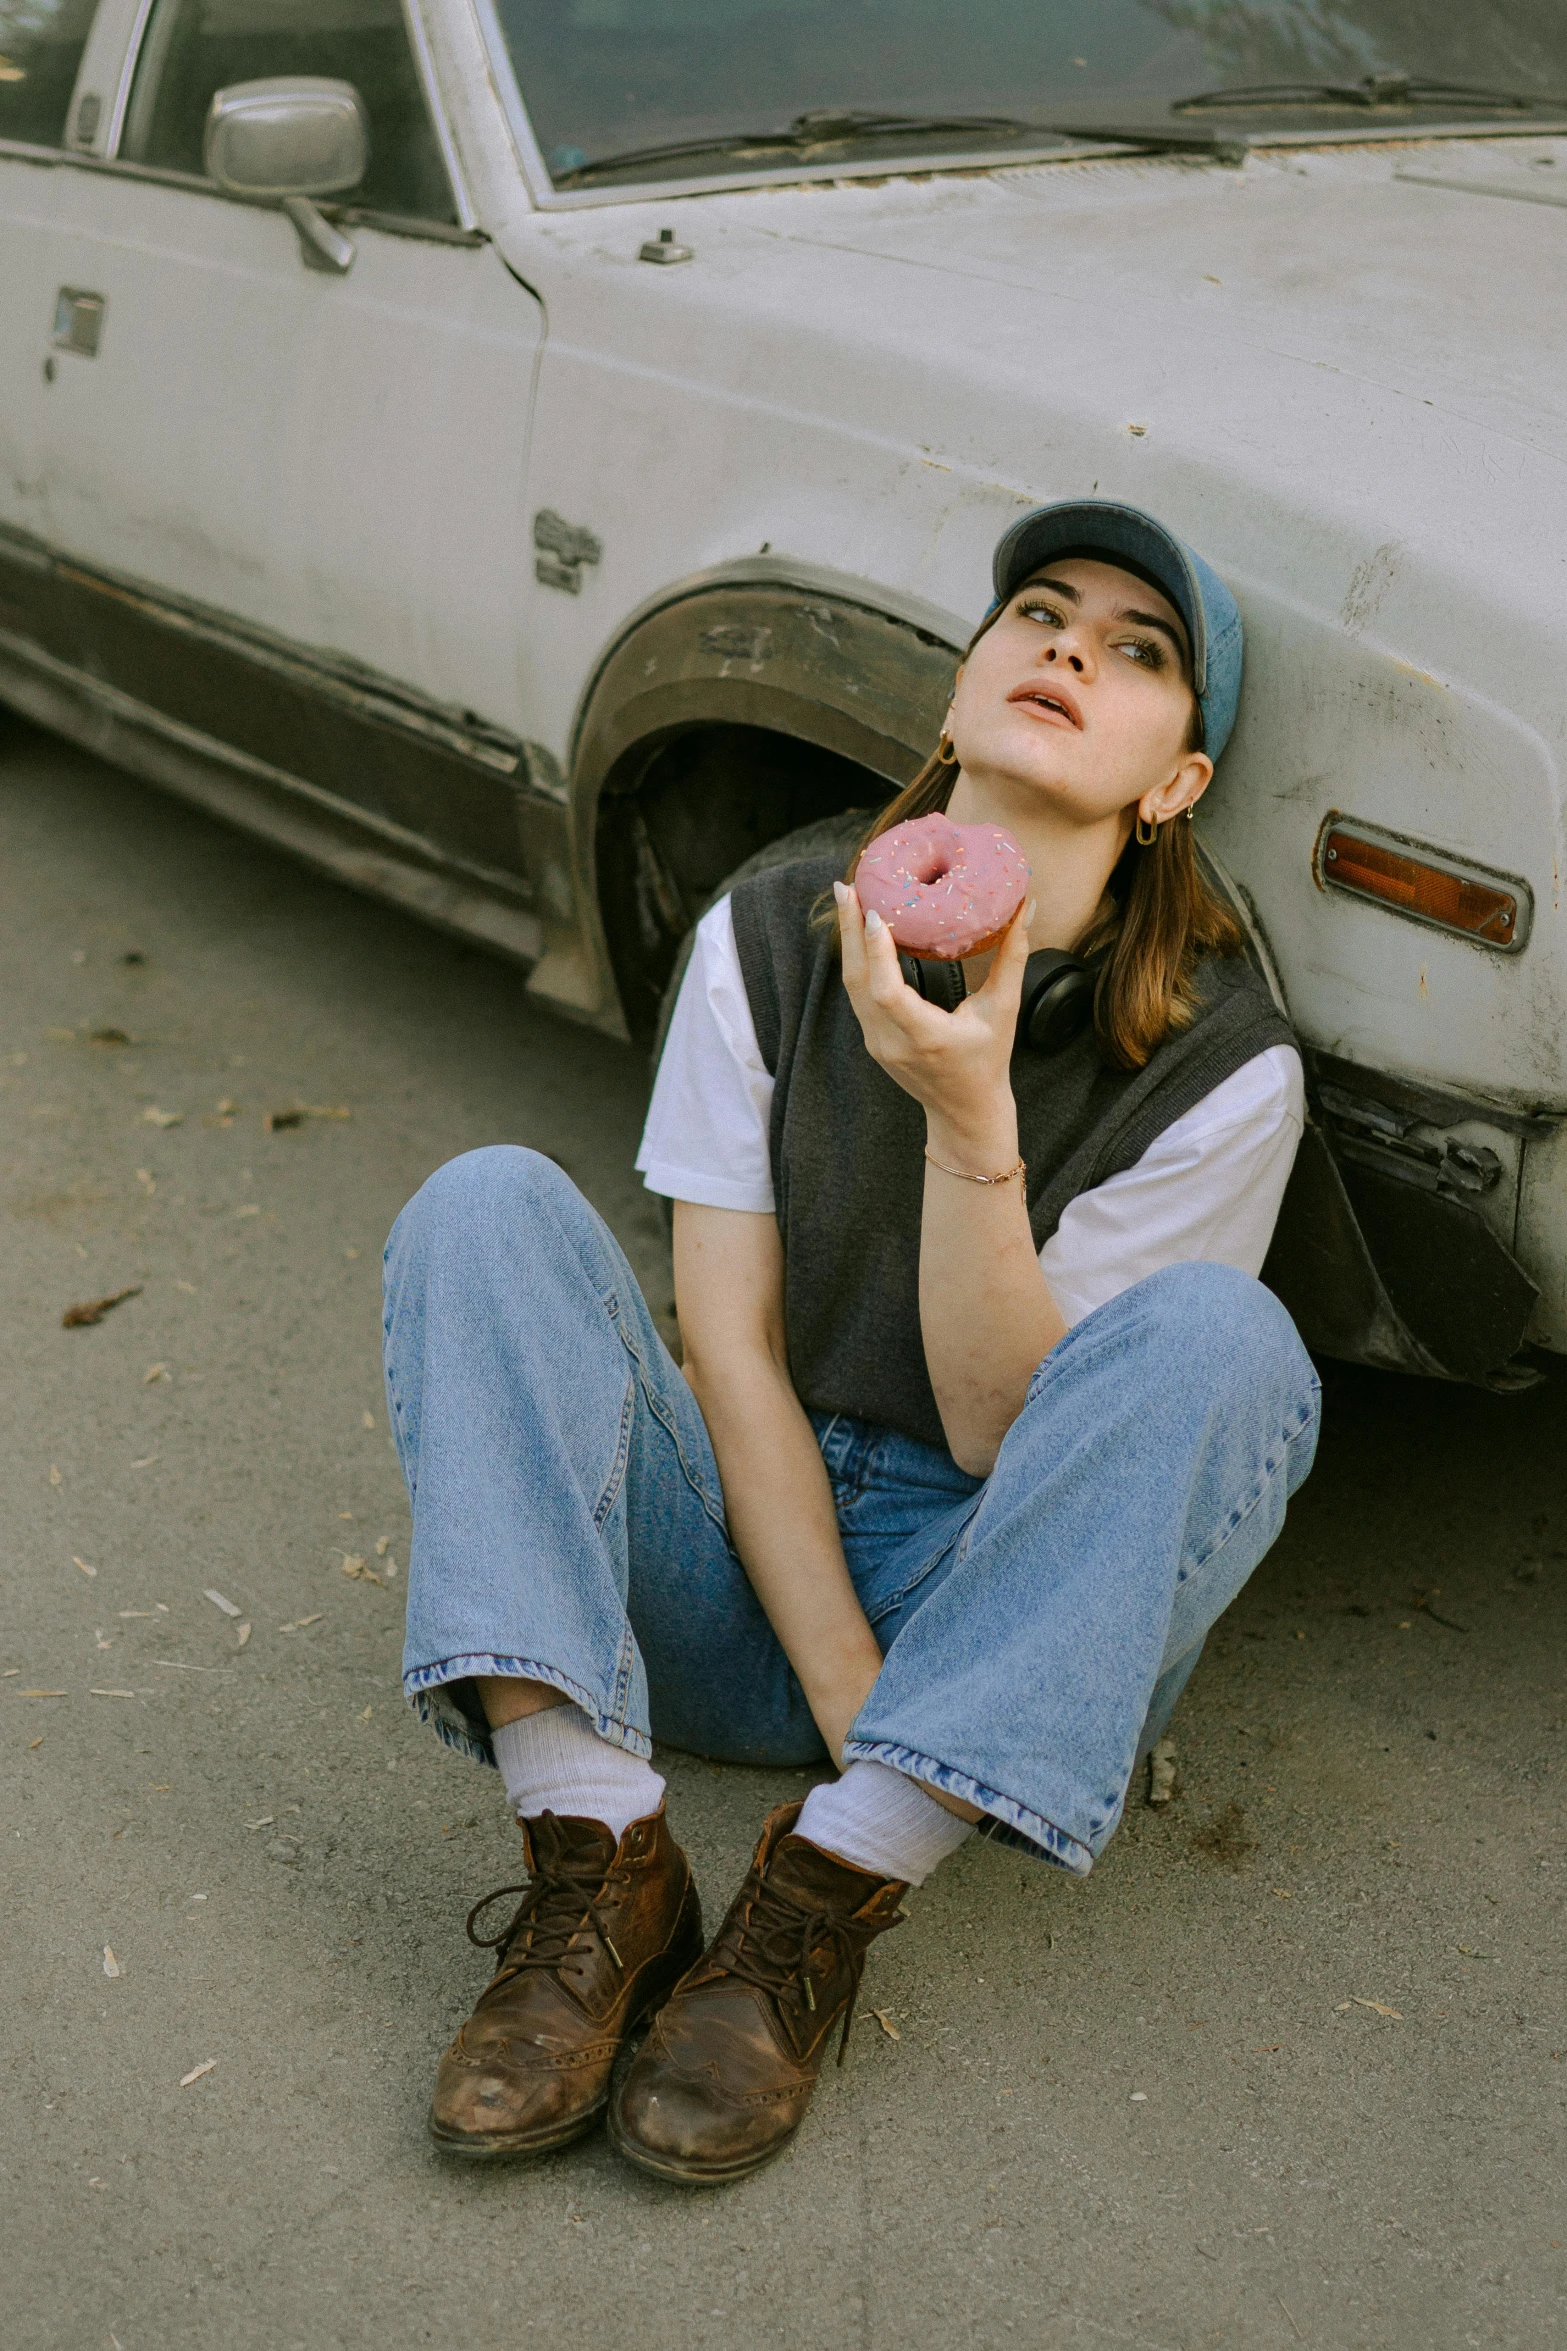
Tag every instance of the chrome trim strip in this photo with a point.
(419, 42)
(122, 93)
(511, 890)
(503, 80)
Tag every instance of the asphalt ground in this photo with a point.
(1287, 2069)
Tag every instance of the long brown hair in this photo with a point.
(1165, 917)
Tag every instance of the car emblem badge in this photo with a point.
(563, 550)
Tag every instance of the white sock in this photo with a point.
(882, 1821)
(555, 1761)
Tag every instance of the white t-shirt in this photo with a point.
(1207, 1189)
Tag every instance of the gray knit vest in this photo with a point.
(847, 1143)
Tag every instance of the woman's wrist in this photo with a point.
(981, 1144)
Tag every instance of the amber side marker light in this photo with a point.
(1491, 909)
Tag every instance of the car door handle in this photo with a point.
(78, 321)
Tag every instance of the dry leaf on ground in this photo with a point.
(383, 1544)
(196, 2073)
(1380, 2006)
(80, 1318)
(54, 1475)
(352, 1564)
(163, 1118)
(368, 1420)
(244, 1636)
(82, 1564)
(218, 1601)
(111, 1693)
(111, 1966)
(886, 2023)
(153, 1373)
(300, 1623)
(40, 1693)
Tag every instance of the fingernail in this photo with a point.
(1028, 911)
(873, 923)
(840, 891)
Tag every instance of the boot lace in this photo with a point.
(560, 1899)
(769, 1941)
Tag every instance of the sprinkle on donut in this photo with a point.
(944, 890)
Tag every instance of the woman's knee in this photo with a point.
(1211, 1324)
(1220, 1331)
(479, 1193)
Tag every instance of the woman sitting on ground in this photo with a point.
(984, 1416)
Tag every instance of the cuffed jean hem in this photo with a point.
(427, 1690)
(1005, 1819)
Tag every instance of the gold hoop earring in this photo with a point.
(944, 751)
(1146, 839)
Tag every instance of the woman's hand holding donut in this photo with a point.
(955, 1064)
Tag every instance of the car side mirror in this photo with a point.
(292, 137)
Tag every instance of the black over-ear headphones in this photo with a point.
(1057, 1002)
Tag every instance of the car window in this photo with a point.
(41, 44)
(604, 77)
(192, 48)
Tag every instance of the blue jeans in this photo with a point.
(1037, 1625)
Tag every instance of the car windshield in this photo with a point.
(603, 79)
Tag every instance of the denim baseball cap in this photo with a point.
(1115, 533)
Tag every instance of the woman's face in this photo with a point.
(1079, 693)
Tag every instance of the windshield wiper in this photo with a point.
(1372, 90)
(828, 127)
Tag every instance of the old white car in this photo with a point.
(527, 456)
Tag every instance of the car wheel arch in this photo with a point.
(726, 716)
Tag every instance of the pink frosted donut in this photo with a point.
(944, 890)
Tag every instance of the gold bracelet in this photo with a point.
(964, 1176)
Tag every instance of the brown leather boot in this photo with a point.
(602, 1934)
(723, 2080)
